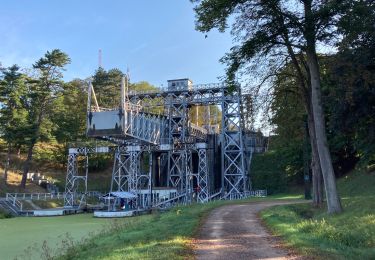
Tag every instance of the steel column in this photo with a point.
(202, 176)
(233, 165)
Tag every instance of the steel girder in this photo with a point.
(176, 170)
(233, 163)
(179, 171)
(120, 172)
(178, 128)
(192, 97)
(126, 171)
(72, 179)
(202, 176)
(127, 176)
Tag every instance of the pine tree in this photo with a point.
(43, 91)
(13, 111)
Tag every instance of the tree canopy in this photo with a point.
(272, 35)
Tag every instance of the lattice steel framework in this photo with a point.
(178, 169)
(73, 179)
(235, 179)
(120, 172)
(126, 174)
(202, 176)
(70, 179)
(173, 133)
(233, 164)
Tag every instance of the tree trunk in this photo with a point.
(316, 180)
(318, 185)
(333, 201)
(7, 164)
(18, 151)
(315, 166)
(27, 164)
(305, 87)
(35, 138)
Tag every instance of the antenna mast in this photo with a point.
(100, 59)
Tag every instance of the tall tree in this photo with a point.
(43, 91)
(13, 113)
(281, 31)
(69, 115)
(107, 86)
(289, 87)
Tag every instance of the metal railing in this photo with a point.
(163, 90)
(169, 201)
(46, 196)
(35, 196)
(246, 194)
(256, 193)
(216, 195)
(14, 201)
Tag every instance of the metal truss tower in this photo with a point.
(135, 131)
(126, 174)
(233, 164)
(202, 176)
(73, 180)
(177, 112)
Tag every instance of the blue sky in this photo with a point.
(156, 39)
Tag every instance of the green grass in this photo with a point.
(17, 234)
(350, 235)
(157, 236)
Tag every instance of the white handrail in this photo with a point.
(169, 200)
(43, 196)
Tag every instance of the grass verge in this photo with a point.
(350, 235)
(157, 236)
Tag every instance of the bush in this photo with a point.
(4, 214)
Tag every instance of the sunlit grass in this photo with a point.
(20, 233)
(350, 235)
(157, 236)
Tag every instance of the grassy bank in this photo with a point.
(156, 236)
(350, 235)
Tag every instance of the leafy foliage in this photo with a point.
(14, 104)
(107, 86)
(268, 172)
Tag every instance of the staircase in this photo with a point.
(13, 208)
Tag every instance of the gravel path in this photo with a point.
(235, 232)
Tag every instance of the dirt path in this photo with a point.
(235, 232)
